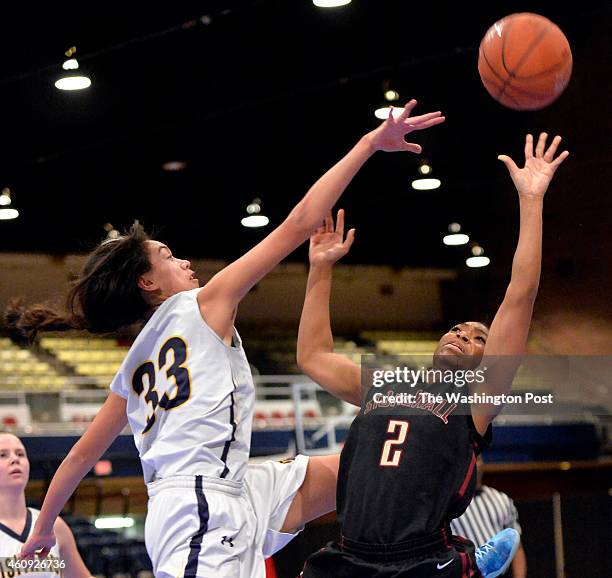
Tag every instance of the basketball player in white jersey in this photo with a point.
(187, 392)
(17, 521)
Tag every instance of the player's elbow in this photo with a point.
(301, 221)
(78, 459)
(304, 359)
(311, 355)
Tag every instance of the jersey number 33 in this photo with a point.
(146, 374)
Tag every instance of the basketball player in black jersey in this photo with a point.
(405, 473)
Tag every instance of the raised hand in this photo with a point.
(328, 245)
(533, 179)
(389, 136)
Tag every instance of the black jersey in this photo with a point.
(406, 474)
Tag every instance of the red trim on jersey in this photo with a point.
(463, 566)
(468, 476)
(446, 544)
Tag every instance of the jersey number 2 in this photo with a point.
(390, 457)
(176, 371)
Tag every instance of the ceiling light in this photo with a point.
(111, 232)
(478, 259)
(455, 237)
(426, 183)
(391, 95)
(72, 78)
(7, 212)
(254, 219)
(173, 166)
(383, 112)
(330, 3)
(114, 522)
(70, 64)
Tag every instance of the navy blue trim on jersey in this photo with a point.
(228, 443)
(191, 570)
(26, 530)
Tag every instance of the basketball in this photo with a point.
(525, 61)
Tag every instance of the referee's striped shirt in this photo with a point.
(489, 513)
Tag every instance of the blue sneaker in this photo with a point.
(494, 557)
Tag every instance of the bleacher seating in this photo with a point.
(22, 369)
(109, 553)
(98, 358)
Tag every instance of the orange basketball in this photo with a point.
(525, 61)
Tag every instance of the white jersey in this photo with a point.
(190, 396)
(10, 546)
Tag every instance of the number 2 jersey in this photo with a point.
(190, 396)
(406, 472)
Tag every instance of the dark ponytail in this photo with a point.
(24, 323)
(104, 298)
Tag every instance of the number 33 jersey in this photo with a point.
(189, 395)
(405, 472)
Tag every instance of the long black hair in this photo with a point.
(104, 298)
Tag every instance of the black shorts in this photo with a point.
(453, 561)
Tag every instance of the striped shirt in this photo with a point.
(489, 513)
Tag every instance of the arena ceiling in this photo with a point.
(260, 97)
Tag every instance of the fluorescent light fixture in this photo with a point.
(6, 211)
(383, 112)
(330, 3)
(77, 82)
(172, 166)
(72, 80)
(456, 239)
(6, 214)
(254, 218)
(70, 64)
(253, 221)
(114, 522)
(426, 184)
(480, 261)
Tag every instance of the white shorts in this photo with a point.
(199, 527)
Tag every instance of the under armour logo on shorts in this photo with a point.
(230, 541)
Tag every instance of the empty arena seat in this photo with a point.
(285, 409)
(95, 357)
(24, 368)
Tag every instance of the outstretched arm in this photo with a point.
(315, 349)
(106, 426)
(219, 298)
(510, 328)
